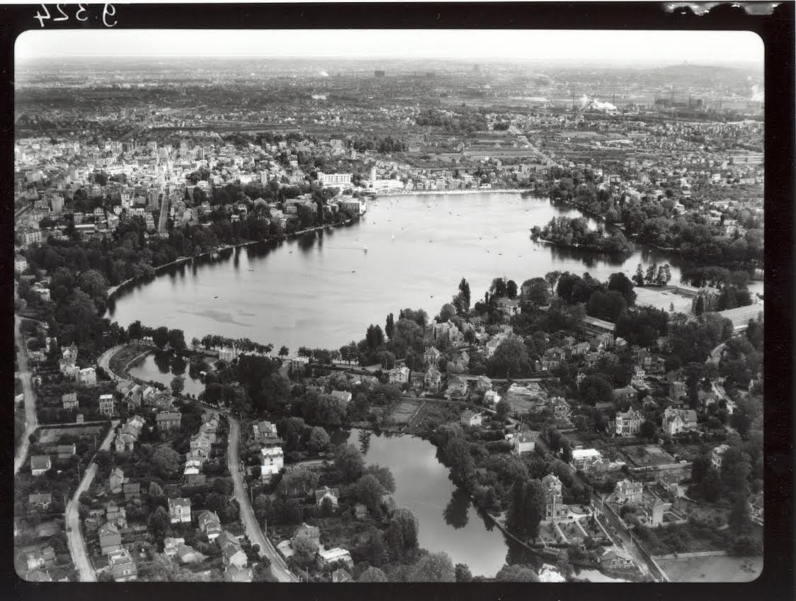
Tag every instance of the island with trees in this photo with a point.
(574, 232)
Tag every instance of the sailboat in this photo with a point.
(365, 248)
(393, 237)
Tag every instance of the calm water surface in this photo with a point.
(323, 290)
(447, 519)
(151, 369)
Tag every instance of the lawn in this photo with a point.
(53, 435)
(712, 569)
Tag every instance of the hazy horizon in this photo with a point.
(585, 48)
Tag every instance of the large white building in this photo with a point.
(273, 461)
(334, 179)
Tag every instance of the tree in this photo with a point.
(638, 278)
(463, 573)
(319, 440)
(401, 533)
(551, 277)
(510, 359)
(739, 518)
(516, 573)
(537, 291)
(158, 524)
(735, 469)
(526, 508)
(305, 549)
(464, 295)
(447, 311)
(372, 574)
(511, 289)
(434, 567)
(699, 468)
(383, 475)
(166, 459)
(177, 340)
(596, 389)
(711, 485)
(161, 337)
(369, 491)
(502, 409)
(389, 327)
(620, 283)
(648, 429)
(177, 384)
(283, 351)
(349, 462)
(155, 490)
(135, 330)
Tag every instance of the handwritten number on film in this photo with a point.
(108, 14)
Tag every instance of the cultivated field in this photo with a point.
(404, 412)
(662, 299)
(712, 569)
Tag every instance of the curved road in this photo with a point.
(278, 566)
(31, 421)
(74, 533)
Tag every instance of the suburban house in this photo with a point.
(265, 432)
(470, 418)
(231, 551)
(107, 405)
(132, 490)
(431, 357)
(679, 420)
(627, 394)
(554, 503)
(116, 480)
(628, 423)
(168, 420)
(87, 376)
(637, 380)
(756, 507)
(39, 464)
(457, 387)
(561, 408)
(433, 379)
(69, 400)
(235, 574)
(41, 500)
(582, 458)
(116, 515)
(123, 568)
(311, 532)
(170, 545)
(524, 442)
(124, 442)
(209, 524)
(40, 558)
(508, 307)
(616, 559)
(109, 538)
(627, 491)
(180, 510)
(399, 375)
(273, 460)
(65, 451)
(328, 557)
(671, 484)
(341, 396)
(717, 455)
(580, 349)
(360, 511)
(492, 397)
(187, 554)
(333, 494)
(483, 384)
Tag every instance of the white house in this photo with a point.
(273, 460)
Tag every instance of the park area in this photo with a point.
(53, 435)
(662, 299)
(712, 569)
(647, 456)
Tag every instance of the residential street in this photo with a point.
(31, 421)
(253, 531)
(74, 533)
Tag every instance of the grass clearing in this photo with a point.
(712, 569)
(404, 412)
(118, 363)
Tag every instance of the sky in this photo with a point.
(628, 47)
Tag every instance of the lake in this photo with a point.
(150, 369)
(446, 518)
(323, 290)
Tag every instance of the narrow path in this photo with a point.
(253, 531)
(74, 532)
(31, 421)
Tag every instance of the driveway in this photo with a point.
(74, 533)
(253, 531)
(31, 421)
